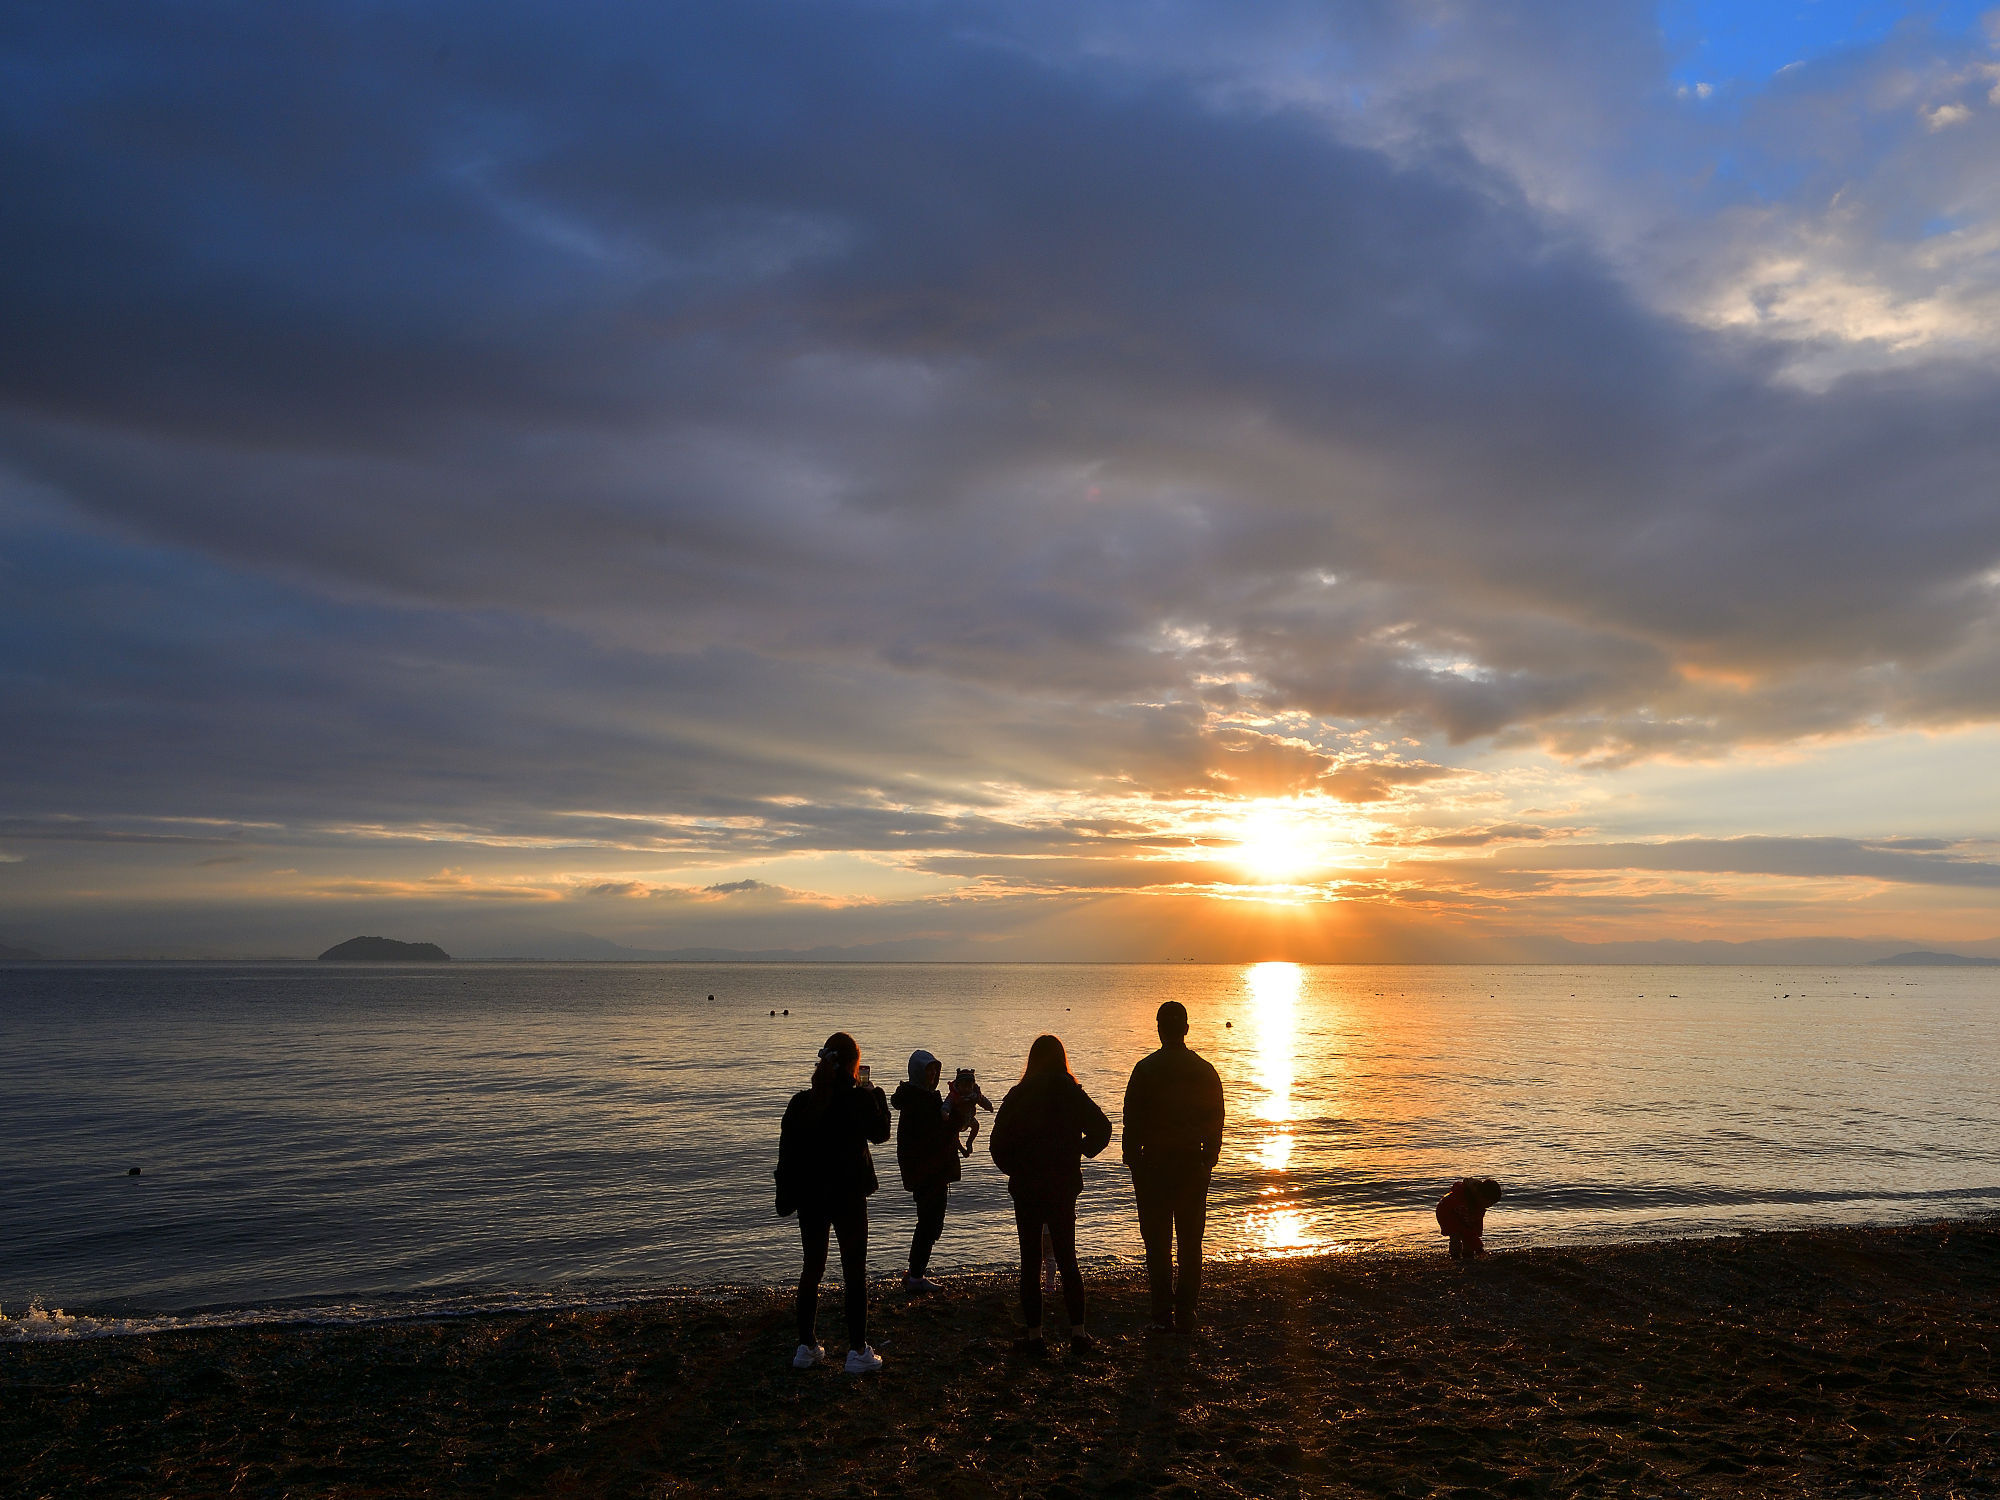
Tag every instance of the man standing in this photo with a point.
(1173, 1134)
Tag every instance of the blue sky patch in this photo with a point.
(1720, 42)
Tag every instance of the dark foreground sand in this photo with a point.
(1843, 1362)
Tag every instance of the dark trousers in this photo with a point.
(930, 1224)
(1173, 1205)
(850, 1223)
(1060, 1215)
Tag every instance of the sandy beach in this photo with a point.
(1824, 1362)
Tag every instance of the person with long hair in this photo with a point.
(825, 1173)
(1046, 1125)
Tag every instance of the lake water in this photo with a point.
(364, 1139)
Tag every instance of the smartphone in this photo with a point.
(864, 1075)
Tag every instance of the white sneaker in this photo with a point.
(915, 1283)
(808, 1356)
(863, 1361)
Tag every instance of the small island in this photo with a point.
(381, 950)
(10, 955)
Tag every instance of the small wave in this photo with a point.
(1591, 1196)
(42, 1325)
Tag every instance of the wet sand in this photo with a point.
(1828, 1362)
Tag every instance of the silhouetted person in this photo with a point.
(825, 1172)
(1173, 1134)
(927, 1156)
(1046, 1125)
(1462, 1214)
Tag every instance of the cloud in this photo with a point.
(1811, 858)
(1377, 781)
(616, 888)
(1498, 833)
(1286, 356)
(981, 434)
(73, 830)
(447, 884)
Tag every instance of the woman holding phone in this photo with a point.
(1046, 1125)
(826, 1172)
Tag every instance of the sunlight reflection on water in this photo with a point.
(1275, 1224)
(1274, 996)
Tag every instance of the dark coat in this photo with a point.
(1043, 1131)
(926, 1145)
(1462, 1215)
(1173, 1108)
(823, 1158)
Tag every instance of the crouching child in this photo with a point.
(1461, 1215)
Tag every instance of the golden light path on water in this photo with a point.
(1275, 1225)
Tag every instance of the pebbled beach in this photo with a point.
(1822, 1362)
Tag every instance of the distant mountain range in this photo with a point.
(551, 946)
(1923, 959)
(1800, 950)
(581, 947)
(385, 950)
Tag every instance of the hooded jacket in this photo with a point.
(926, 1148)
(1044, 1129)
(823, 1158)
(926, 1145)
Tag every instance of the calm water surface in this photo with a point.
(369, 1137)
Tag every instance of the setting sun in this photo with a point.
(1277, 842)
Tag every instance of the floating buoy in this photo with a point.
(774, 1012)
(788, 1013)
(131, 1171)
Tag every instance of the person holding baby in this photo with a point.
(927, 1156)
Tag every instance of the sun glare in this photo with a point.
(1281, 1232)
(1276, 842)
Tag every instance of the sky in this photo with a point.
(1400, 480)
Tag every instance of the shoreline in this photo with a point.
(367, 1310)
(1812, 1361)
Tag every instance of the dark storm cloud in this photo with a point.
(485, 415)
